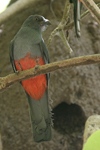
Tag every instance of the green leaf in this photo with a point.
(93, 142)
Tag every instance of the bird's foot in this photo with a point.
(17, 72)
(36, 67)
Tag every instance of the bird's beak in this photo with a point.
(47, 22)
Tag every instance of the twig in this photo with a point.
(61, 32)
(17, 7)
(66, 27)
(9, 80)
(93, 8)
(71, 24)
(65, 14)
(52, 9)
(59, 29)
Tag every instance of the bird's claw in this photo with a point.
(36, 67)
(17, 72)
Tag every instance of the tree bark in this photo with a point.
(93, 8)
(9, 80)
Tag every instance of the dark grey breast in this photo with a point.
(27, 40)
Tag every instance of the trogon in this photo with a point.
(28, 50)
(77, 11)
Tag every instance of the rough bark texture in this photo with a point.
(13, 78)
(93, 8)
(75, 91)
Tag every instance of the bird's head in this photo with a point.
(37, 22)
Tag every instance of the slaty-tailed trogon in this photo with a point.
(77, 9)
(28, 50)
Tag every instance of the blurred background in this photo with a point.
(75, 92)
(3, 5)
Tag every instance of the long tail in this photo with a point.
(40, 118)
(77, 13)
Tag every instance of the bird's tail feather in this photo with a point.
(77, 13)
(40, 118)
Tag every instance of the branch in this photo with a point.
(10, 79)
(19, 6)
(59, 29)
(93, 8)
(14, 8)
(66, 27)
(71, 24)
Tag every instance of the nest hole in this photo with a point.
(68, 119)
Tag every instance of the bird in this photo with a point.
(77, 11)
(28, 50)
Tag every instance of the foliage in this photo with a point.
(93, 142)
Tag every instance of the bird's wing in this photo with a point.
(11, 53)
(45, 55)
(45, 52)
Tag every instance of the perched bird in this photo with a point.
(77, 12)
(28, 50)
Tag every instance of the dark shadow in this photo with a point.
(68, 119)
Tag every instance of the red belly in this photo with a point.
(36, 86)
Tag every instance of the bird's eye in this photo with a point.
(36, 18)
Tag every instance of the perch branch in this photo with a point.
(10, 79)
(93, 8)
